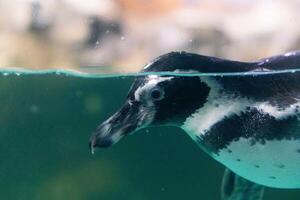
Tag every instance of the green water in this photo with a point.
(46, 120)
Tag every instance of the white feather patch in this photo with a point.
(219, 106)
(278, 113)
(152, 81)
(275, 163)
(214, 110)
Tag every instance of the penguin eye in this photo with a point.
(156, 94)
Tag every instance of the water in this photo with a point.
(46, 120)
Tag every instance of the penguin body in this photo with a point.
(249, 123)
(255, 135)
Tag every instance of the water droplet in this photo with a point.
(18, 74)
(190, 40)
(293, 71)
(97, 44)
(5, 74)
(290, 54)
(107, 31)
(123, 38)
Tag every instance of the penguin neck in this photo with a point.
(218, 106)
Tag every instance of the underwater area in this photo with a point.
(46, 122)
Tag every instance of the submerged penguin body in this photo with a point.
(249, 123)
(255, 135)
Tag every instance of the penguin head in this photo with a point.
(153, 100)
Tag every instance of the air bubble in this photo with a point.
(281, 166)
(34, 108)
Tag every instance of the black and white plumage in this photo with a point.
(248, 123)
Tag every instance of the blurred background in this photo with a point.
(123, 35)
(46, 120)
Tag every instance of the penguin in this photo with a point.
(248, 122)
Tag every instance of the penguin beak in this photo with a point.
(122, 123)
